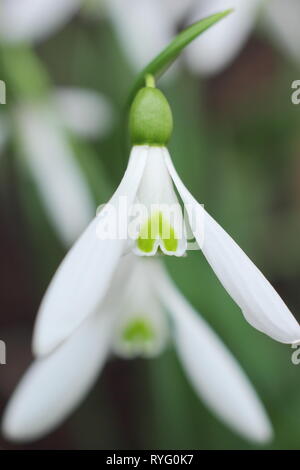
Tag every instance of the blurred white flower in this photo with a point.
(132, 321)
(46, 151)
(27, 20)
(84, 112)
(51, 163)
(219, 46)
(145, 27)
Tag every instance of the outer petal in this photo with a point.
(283, 20)
(213, 371)
(142, 27)
(85, 112)
(259, 302)
(219, 46)
(61, 185)
(84, 276)
(54, 386)
(27, 20)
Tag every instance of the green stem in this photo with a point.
(150, 80)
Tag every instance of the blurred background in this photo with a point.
(68, 67)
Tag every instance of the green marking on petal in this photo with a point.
(157, 227)
(138, 330)
(169, 241)
(149, 234)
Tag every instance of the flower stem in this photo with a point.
(150, 80)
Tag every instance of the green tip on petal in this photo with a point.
(156, 228)
(150, 118)
(150, 80)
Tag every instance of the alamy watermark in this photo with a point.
(295, 96)
(295, 358)
(2, 352)
(123, 220)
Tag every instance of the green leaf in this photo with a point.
(163, 61)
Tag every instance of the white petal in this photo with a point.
(61, 185)
(84, 112)
(259, 302)
(84, 276)
(27, 20)
(55, 385)
(142, 27)
(213, 371)
(218, 46)
(283, 20)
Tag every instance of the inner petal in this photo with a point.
(139, 336)
(162, 225)
(138, 331)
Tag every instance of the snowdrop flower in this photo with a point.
(84, 112)
(45, 149)
(141, 311)
(220, 45)
(145, 27)
(83, 278)
(282, 20)
(29, 20)
(149, 25)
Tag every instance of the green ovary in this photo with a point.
(138, 331)
(155, 228)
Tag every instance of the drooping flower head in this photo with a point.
(144, 215)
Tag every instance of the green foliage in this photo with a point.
(163, 60)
